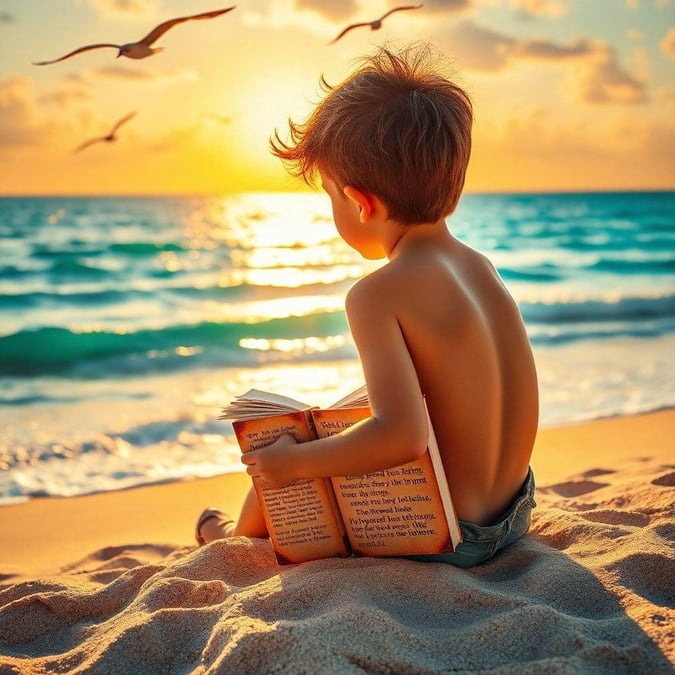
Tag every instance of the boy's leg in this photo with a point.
(215, 524)
(251, 522)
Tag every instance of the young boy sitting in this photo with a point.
(391, 146)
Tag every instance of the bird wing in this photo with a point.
(86, 48)
(158, 31)
(86, 144)
(350, 27)
(125, 119)
(398, 9)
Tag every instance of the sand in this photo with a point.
(112, 583)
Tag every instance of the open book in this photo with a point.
(405, 510)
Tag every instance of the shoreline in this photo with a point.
(44, 534)
(21, 499)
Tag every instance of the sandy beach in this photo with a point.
(113, 582)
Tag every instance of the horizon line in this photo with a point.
(184, 195)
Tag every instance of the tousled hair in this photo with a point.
(396, 127)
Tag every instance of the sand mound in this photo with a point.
(591, 589)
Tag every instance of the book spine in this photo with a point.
(454, 529)
(302, 519)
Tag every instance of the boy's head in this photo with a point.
(396, 128)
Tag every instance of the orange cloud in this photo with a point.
(601, 78)
(126, 8)
(331, 10)
(528, 147)
(176, 140)
(667, 45)
(20, 121)
(478, 48)
(537, 8)
(545, 50)
(158, 79)
(133, 74)
(64, 96)
(447, 5)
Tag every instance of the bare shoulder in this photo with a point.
(375, 288)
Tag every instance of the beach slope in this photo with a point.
(590, 589)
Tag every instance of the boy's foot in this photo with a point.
(213, 524)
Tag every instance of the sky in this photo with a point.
(569, 95)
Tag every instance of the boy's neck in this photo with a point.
(402, 238)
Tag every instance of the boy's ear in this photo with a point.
(367, 202)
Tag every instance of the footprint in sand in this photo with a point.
(650, 575)
(575, 488)
(592, 473)
(667, 480)
(612, 517)
(665, 530)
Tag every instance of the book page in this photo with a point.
(355, 399)
(398, 511)
(302, 519)
(256, 403)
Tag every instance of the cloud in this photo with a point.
(340, 11)
(20, 120)
(544, 50)
(131, 74)
(175, 140)
(324, 18)
(488, 50)
(6, 17)
(446, 5)
(667, 45)
(64, 96)
(333, 11)
(478, 48)
(600, 77)
(569, 152)
(126, 8)
(529, 9)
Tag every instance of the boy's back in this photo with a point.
(474, 363)
(391, 145)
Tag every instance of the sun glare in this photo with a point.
(295, 347)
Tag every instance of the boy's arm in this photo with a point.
(396, 432)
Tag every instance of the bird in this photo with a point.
(143, 48)
(108, 138)
(374, 25)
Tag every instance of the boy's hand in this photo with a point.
(272, 466)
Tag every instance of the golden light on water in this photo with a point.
(263, 256)
(291, 277)
(295, 347)
(254, 312)
(267, 220)
(276, 240)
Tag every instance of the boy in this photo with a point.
(391, 145)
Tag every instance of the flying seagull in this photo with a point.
(108, 138)
(374, 25)
(141, 49)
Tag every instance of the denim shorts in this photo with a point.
(482, 542)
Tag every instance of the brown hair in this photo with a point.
(396, 127)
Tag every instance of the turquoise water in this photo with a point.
(126, 323)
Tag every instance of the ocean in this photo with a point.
(126, 324)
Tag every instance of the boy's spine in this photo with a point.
(397, 511)
(302, 519)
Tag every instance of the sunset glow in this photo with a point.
(568, 94)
